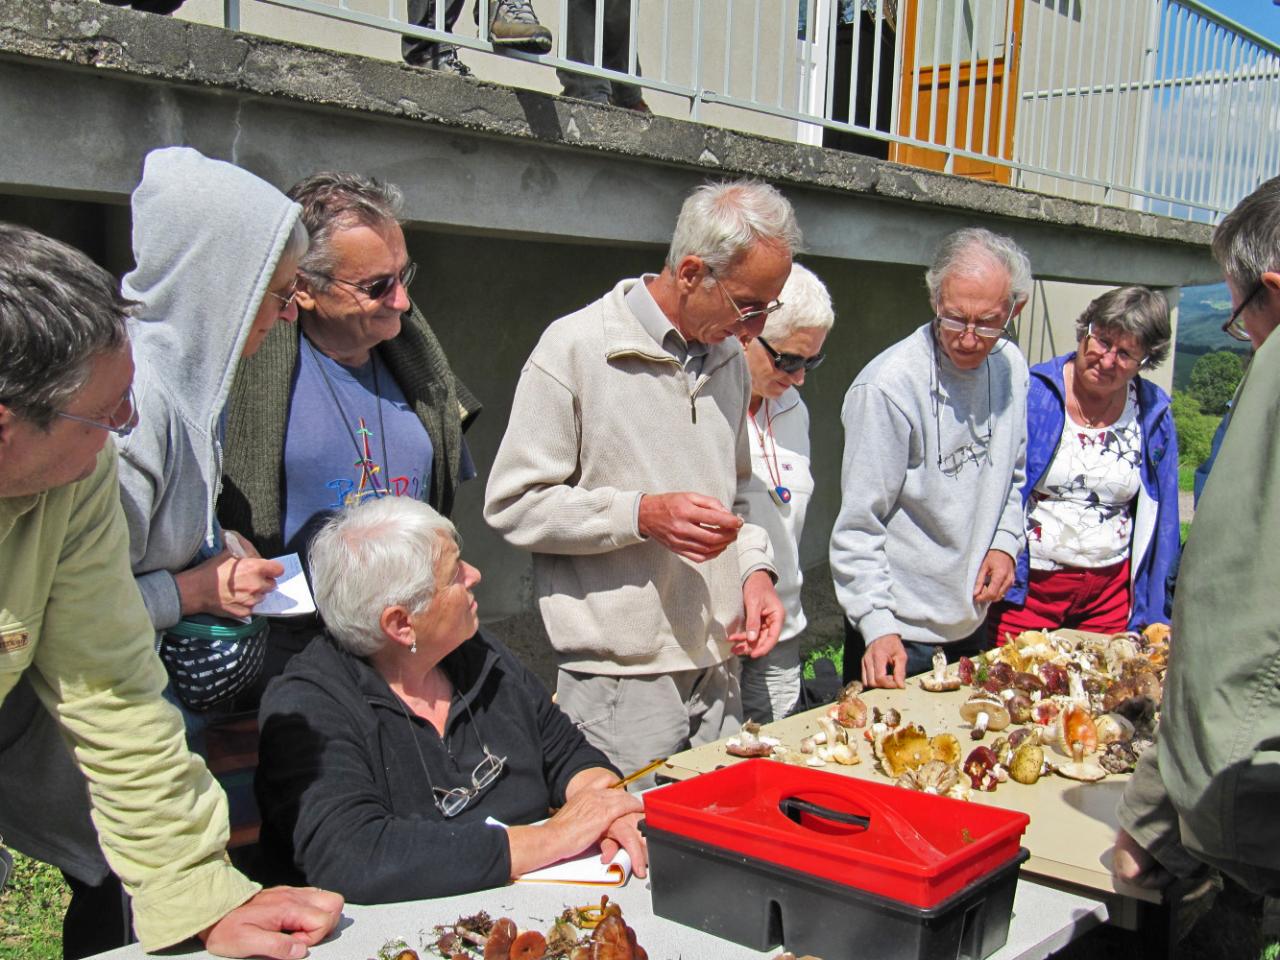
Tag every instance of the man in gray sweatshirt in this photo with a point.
(624, 469)
(934, 460)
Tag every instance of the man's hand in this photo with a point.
(694, 526)
(1129, 862)
(764, 616)
(885, 662)
(995, 576)
(280, 923)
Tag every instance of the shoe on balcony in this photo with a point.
(446, 61)
(637, 104)
(513, 24)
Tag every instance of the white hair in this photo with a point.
(806, 305)
(719, 222)
(376, 554)
(969, 252)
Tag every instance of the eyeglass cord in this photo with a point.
(422, 760)
(935, 394)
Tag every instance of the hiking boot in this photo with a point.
(513, 24)
(638, 105)
(444, 59)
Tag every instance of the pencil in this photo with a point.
(632, 777)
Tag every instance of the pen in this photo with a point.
(631, 777)
(233, 544)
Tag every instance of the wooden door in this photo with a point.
(977, 80)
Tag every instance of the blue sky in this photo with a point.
(1260, 16)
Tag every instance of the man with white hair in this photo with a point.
(934, 460)
(624, 469)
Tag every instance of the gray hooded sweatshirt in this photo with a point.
(206, 240)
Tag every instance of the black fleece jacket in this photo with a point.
(346, 803)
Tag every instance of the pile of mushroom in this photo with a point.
(580, 933)
(1094, 700)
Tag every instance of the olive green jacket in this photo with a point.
(72, 621)
(251, 502)
(1210, 789)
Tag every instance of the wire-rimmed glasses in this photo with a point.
(1234, 327)
(121, 424)
(453, 801)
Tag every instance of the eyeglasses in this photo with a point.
(120, 423)
(453, 802)
(1123, 357)
(956, 325)
(754, 316)
(378, 288)
(285, 301)
(791, 362)
(1234, 327)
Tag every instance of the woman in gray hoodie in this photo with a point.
(217, 251)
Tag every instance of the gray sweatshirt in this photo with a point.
(206, 240)
(911, 534)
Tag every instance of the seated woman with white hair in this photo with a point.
(386, 749)
(789, 347)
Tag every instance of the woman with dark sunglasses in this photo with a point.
(1101, 493)
(789, 347)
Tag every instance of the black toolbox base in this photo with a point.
(761, 905)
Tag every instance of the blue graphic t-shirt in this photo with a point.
(324, 469)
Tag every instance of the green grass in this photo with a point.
(831, 651)
(1186, 477)
(31, 909)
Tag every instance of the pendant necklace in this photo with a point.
(368, 469)
(777, 492)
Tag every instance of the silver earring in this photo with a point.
(413, 647)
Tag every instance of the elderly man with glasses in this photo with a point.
(624, 469)
(356, 401)
(1206, 793)
(78, 667)
(390, 747)
(934, 460)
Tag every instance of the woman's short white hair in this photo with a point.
(806, 305)
(373, 555)
(719, 222)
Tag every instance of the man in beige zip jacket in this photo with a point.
(624, 469)
(74, 630)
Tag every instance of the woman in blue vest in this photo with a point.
(1101, 494)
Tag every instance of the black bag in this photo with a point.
(212, 660)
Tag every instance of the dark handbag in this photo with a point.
(211, 660)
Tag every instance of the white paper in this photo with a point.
(585, 869)
(292, 596)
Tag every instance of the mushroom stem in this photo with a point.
(1077, 751)
(980, 725)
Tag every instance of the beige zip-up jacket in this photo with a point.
(603, 415)
(72, 619)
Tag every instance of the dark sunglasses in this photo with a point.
(791, 362)
(378, 288)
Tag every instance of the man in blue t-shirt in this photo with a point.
(358, 400)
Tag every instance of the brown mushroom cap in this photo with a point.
(946, 748)
(530, 945)
(974, 707)
(503, 934)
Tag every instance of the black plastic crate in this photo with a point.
(762, 906)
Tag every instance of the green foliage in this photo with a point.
(831, 651)
(1214, 379)
(31, 910)
(1195, 430)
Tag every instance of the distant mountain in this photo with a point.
(1201, 313)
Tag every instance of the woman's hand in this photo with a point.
(591, 815)
(228, 585)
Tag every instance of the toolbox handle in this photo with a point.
(792, 807)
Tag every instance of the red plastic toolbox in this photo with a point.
(903, 845)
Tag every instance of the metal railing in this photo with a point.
(1161, 105)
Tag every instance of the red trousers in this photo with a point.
(1075, 598)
